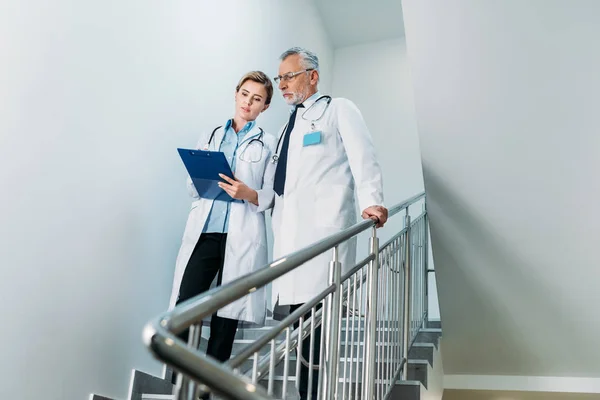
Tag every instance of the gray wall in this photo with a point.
(95, 98)
(507, 109)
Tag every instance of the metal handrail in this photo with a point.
(160, 333)
(262, 366)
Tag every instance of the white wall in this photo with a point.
(507, 107)
(95, 97)
(376, 76)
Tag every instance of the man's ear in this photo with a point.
(314, 77)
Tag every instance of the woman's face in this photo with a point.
(250, 100)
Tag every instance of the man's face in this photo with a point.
(295, 89)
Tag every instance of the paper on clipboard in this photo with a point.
(204, 168)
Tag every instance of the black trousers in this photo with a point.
(205, 263)
(306, 356)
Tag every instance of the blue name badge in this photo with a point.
(312, 138)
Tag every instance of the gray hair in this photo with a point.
(309, 59)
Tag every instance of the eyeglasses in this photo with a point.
(290, 75)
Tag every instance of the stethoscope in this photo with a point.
(275, 157)
(259, 139)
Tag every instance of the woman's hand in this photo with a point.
(238, 190)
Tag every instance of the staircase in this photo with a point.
(424, 370)
(377, 342)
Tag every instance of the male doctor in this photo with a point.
(325, 154)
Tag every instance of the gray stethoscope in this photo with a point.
(327, 99)
(259, 139)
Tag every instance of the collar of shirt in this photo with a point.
(242, 132)
(308, 102)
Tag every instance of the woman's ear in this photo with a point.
(265, 107)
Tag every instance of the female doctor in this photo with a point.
(224, 240)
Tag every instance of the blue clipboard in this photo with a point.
(204, 168)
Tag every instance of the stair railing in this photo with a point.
(368, 319)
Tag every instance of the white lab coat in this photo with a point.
(319, 196)
(246, 246)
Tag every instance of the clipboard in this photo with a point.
(204, 168)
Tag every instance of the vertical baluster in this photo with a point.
(416, 280)
(407, 294)
(397, 299)
(347, 367)
(299, 351)
(382, 312)
(361, 337)
(311, 350)
(392, 315)
(401, 290)
(378, 342)
(185, 387)
(362, 349)
(323, 382)
(388, 317)
(286, 360)
(398, 311)
(271, 369)
(426, 262)
(421, 276)
(393, 300)
(255, 368)
(381, 335)
(368, 383)
(412, 283)
(382, 324)
(322, 373)
(335, 275)
(397, 302)
(386, 326)
(350, 332)
(422, 273)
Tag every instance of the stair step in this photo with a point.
(420, 356)
(418, 370)
(434, 324)
(422, 351)
(407, 390)
(157, 396)
(429, 335)
(146, 383)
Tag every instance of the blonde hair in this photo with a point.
(258, 77)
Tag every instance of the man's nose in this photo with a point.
(282, 85)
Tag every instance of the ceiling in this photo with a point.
(352, 22)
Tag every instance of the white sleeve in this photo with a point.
(361, 154)
(266, 194)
